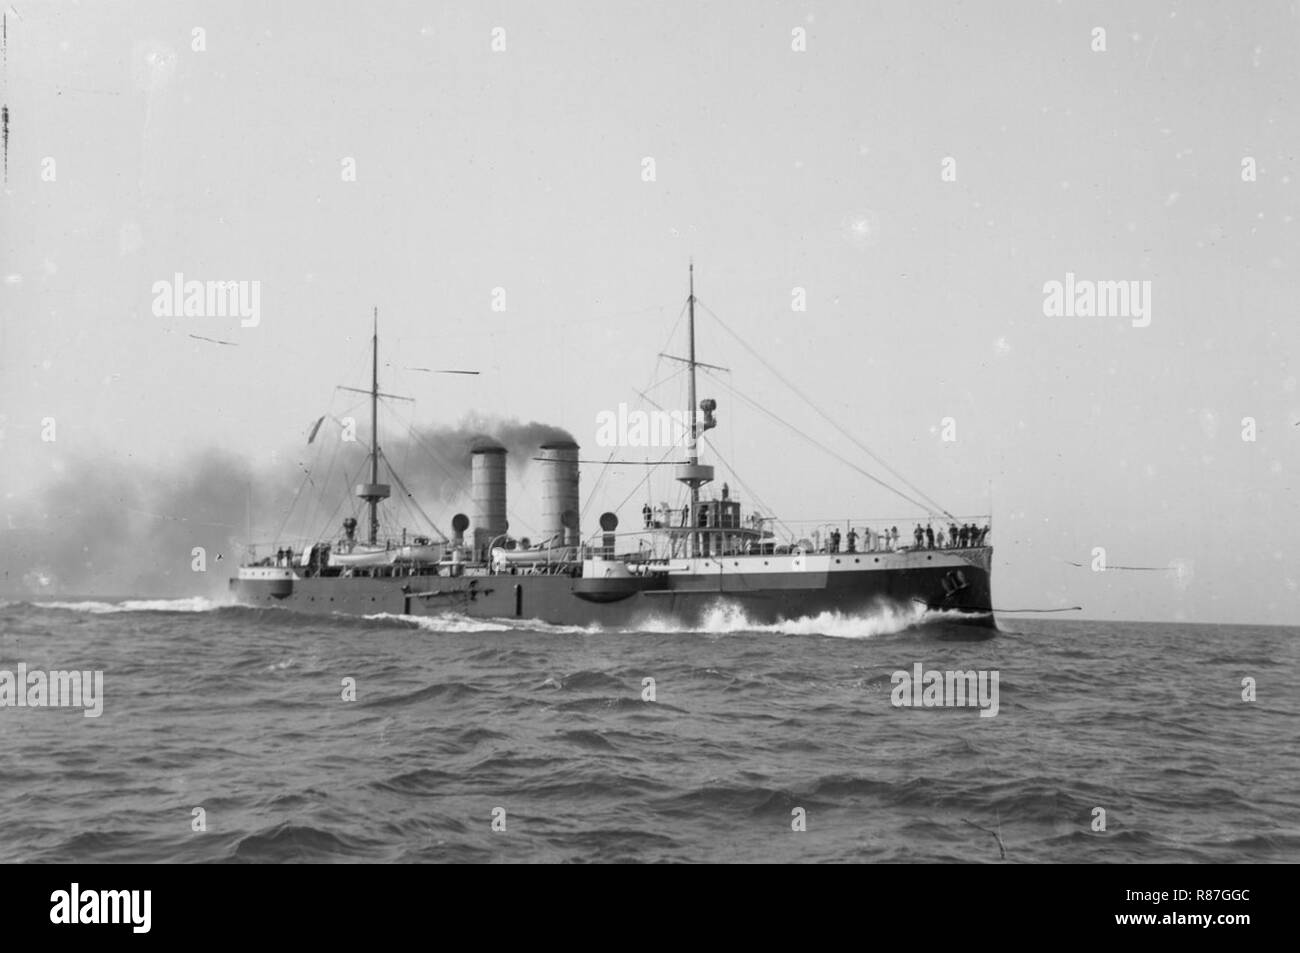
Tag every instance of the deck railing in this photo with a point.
(759, 536)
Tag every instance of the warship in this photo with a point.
(678, 564)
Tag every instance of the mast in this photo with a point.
(692, 473)
(374, 491)
(374, 427)
(693, 457)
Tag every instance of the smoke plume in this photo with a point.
(107, 526)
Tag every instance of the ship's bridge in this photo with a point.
(716, 527)
(704, 529)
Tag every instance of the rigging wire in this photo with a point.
(316, 504)
(848, 463)
(317, 501)
(658, 363)
(289, 509)
(455, 482)
(595, 487)
(681, 369)
(930, 505)
(643, 481)
(410, 498)
(735, 474)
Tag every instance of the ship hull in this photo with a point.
(956, 584)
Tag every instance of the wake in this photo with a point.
(456, 623)
(722, 620)
(884, 620)
(190, 604)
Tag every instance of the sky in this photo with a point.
(913, 174)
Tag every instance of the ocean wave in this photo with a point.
(455, 622)
(592, 681)
(298, 842)
(725, 619)
(451, 622)
(189, 604)
(453, 692)
(731, 619)
(239, 711)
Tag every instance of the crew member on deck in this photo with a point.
(646, 514)
(835, 541)
(853, 540)
(929, 536)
